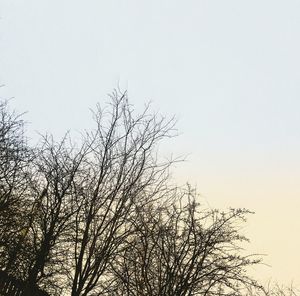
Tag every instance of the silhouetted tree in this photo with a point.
(14, 159)
(100, 217)
(121, 170)
(184, 250)
(53, 183)
(274, 289)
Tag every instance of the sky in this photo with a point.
(228, 70)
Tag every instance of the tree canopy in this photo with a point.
(102, 217)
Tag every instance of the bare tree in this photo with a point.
(183, 250)
(54, 173)
(12, 155)
(121, 171)
(100, 217)
(274, 289)
(77, 200)
(14, 159)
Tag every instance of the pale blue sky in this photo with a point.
(228, 69)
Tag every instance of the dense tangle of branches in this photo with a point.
(100, 217)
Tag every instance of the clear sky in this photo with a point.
(228, 69)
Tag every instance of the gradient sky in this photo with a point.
(229, 70)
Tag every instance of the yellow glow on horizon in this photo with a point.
(274, 196)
